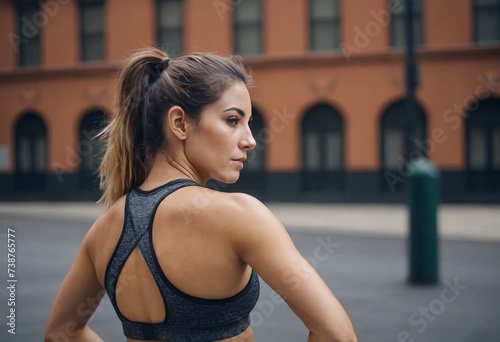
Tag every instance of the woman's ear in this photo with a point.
(177, 122)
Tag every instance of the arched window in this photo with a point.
(393, 145)
(322, 150)
(482, 132)
(31, 152)
(90, 148)
(253, 176)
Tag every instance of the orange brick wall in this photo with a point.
(360, 81)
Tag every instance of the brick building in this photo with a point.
(329, 113)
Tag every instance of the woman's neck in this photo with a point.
(166, 169)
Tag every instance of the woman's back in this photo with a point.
(188, 270)
(194, 245)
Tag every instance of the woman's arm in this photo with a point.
(78, 297)
(264, 244)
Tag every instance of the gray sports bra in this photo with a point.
(188, 318)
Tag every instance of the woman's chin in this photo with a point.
(228, 179)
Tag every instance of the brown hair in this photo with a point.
(148, 85)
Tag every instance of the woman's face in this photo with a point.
(217, 145)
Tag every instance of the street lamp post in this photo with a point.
(412, 82)
(423, 181)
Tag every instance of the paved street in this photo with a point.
(366, 270)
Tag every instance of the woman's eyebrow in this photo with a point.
(242, 113)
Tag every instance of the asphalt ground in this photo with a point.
(367, 269)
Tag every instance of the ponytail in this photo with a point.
(126, 162)
(148, 85)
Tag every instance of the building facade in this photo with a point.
(328, 101)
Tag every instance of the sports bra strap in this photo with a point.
(140, 208)
(187, 318)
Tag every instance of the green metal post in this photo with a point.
(423, 186)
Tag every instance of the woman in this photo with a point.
(180, 261)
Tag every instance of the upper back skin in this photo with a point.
(194, 246)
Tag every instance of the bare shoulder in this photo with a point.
(241, 217)
(238, 209)
(240, 204)
(227, 213)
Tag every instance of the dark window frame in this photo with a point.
(418, 15)
(476, 9)
(84, 36)
(487, 179)
(174, 30)
(323, 180)
(91, 123)
(335, 21)
(384, 124)
(258, 128)
(22, 8)
(237, 25)
(32, 126)
(254, 180)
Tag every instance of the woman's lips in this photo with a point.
(239, 162)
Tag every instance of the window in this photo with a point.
(398, 22)
(322, 150)
(393, 152)
(31, 152)
(247, 16)
(29, 27)
(92, 30)
(170, 32)
(487, 21)
(482, 132)
(324, 24)
(90, 149)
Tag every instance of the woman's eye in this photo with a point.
(233, 121)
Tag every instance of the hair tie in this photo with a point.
(164, 64)
(157, 69)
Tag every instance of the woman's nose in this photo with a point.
(248, 142)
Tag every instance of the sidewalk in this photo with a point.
(456, 222)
